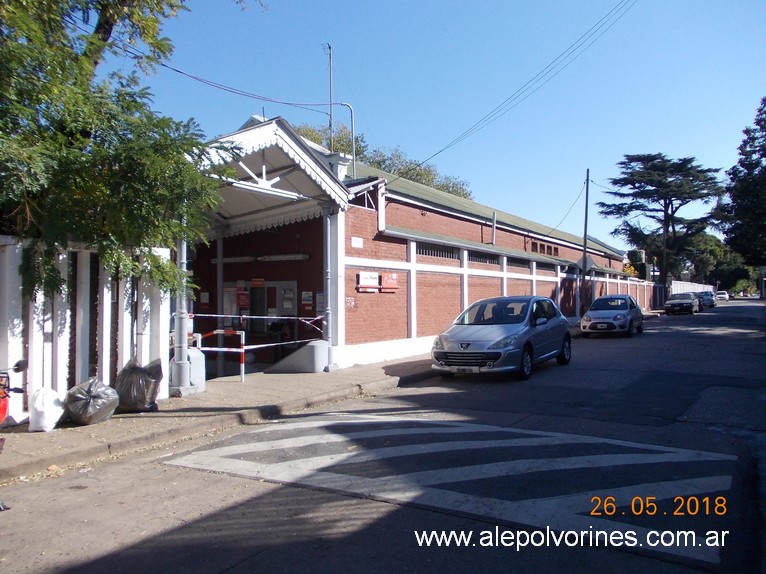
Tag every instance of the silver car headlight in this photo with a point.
(619, 317)
(438, 343)
(504, 342)
(587, 318)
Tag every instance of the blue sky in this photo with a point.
(680, 77)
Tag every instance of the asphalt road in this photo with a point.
(642, 455)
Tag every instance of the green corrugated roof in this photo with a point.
(445, 200)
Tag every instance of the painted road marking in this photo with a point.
(295, 453)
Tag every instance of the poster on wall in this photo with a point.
(229, 305)
(307, 301)
(320, 302)
(287, 299)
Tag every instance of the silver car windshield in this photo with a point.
(494, 313)
(609, 305)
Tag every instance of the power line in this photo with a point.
(582, 189)
(555, 67)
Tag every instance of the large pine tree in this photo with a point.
(746, 233)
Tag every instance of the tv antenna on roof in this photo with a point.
(328, 48)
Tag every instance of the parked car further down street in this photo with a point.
(613, 314)
(681, 303)
(722, 295)
(502, 335)
(708, 299)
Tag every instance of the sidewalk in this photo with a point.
(226, 403)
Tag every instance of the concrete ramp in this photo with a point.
(311, 358)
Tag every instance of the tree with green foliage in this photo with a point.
(732, 274)
(395, 162)
(655, 187)
(86, 161)
(341, 142)
(746, 230)
(398, 163)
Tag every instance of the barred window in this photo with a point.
(479, 257)
(518, 263)
(434, 250)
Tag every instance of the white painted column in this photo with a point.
(464, 278)
(59, 331)
(83, 310)
(338, 264)
(558, 285)
(104, 325)
(124, 323)
(159, 335)
(533, 271)
(504, 273)
(12, 332)
(39, 352)
(412, 290)
(143, 323)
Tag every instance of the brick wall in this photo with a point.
(439, 301)
(363, 223)
(372, 317)
(484, 287)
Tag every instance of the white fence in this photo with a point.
(86, 330)
(686, 286)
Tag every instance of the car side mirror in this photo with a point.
(540, 321)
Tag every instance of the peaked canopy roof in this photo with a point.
(279, 179)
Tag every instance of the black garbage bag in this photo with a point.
(138, 387)
(91, 402)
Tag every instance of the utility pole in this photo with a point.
(583, 305)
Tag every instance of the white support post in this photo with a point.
(504, 272)
(59, 331)
(39, 353)
(83, 309)
(104, 335)
(142, 326)
(533, 271)
(464, 278)
(412, 290)
(12, 333)
(124, 323)
(181, 367)
(159, 335)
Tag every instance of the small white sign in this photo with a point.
(357, 242)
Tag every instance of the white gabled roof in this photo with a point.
(279, 179)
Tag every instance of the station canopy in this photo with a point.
(279, 179)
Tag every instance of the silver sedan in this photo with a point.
(503, 334)
(613, 314)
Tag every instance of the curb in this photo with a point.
(198, 426)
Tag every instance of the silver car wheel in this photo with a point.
(525, 370)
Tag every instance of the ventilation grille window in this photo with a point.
(433, 250)
(479, 257)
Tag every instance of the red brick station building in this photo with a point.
(308, 245)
